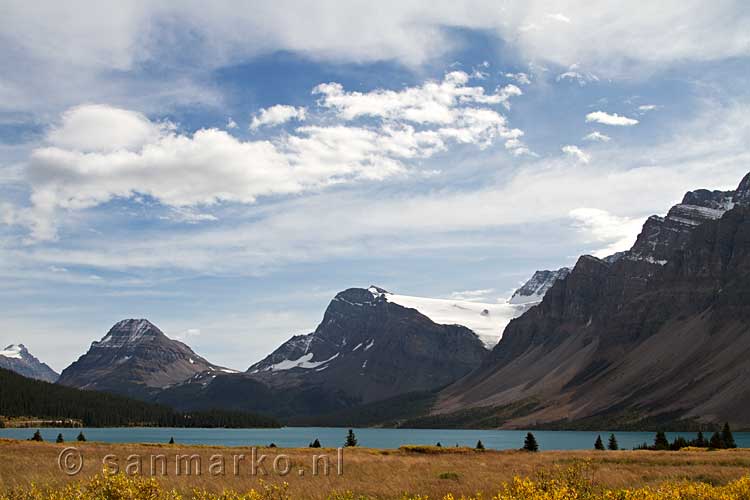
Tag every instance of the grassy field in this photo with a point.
(373, 473)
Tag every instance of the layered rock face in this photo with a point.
(135, 358)
(17, 358)
(660, 333)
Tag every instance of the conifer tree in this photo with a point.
(479, 446)
(315, 444)
(727, 438)
(81, 437)
(439, 445)
(171, 440)
(716, 442)
(660, 441)
(351, 439)
(700, 441)
(60, 438)
(599, 445)
(613, 445)
(530, 443)
(37, 436)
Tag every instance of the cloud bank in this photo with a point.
(98, 153)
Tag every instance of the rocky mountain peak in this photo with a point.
(17, 358)
(130, 332)
(135, 358)
(537, 286)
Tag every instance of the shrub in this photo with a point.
(449, 475)
(560, 484)
(351, 439)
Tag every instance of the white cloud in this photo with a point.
(277, 115)
(520, 78)
(645, 108)
(559, 17)
(99, 128)
(574, 73)
(601, 227)
(610, 119)
(98, 153)
(105, 45)
(432, 102)
(231, 124)
(187, 335)
(597, 136)
(577, 153)
(188, 216)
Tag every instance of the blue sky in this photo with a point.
(224, 171)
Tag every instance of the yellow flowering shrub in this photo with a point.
(570, 484)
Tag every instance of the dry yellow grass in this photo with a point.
(379, 473)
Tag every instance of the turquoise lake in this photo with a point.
(369, 437)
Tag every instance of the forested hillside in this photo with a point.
(20, 396)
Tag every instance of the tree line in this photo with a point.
(719, 440)
(24, 397)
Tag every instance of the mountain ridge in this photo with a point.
(618, 341)
(17, 358)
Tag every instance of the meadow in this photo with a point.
(30, 471)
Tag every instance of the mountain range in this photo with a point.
(653, 336)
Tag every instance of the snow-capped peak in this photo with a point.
(534, 289)
(14, 351)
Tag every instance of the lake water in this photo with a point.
(372, 438)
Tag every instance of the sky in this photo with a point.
(225, 168)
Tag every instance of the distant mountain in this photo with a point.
(657, 337)
(367, 348)
(136, 359)
(17, 358)
(533, 291)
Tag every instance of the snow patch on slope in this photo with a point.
(304, 361)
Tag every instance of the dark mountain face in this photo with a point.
(660, 333)
(365, 349)
(662, 235)
(17, 358)
(136, 359)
